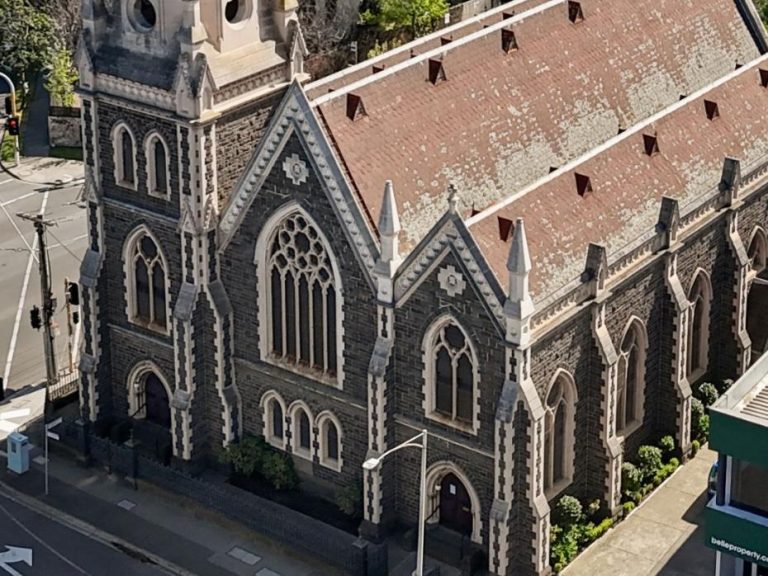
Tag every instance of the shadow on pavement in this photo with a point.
(692, 557)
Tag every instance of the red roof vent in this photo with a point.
(446, 40)
(436, 71)
(508, 40)
(355, 108)
(552, 169)
(506, 227)
(575, 13)
(651, 144)
(507, 15)
(763, 77)
(712, 110)
(414, 53)
(378, 68)
(475, 211)
(583, 184)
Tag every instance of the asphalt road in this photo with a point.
(21, 347)
(57, 550)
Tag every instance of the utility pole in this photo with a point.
(49, 302)
(69, 326)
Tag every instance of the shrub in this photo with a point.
(564, 547)
(667, 445)
(649, 461)
(724, 385)
(697, 410)
(666, 471)
(593, 509)
(350, 499)
(631, 479)
(253, 457)
(278, 470)
(708, 394)
(695, 447)
(596, 531)
(628, 507)
(702, 428)
(568, 511)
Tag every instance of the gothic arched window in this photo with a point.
(273, 413)
(147, 290)
(157, 166)
(302, 297)
(700, 297)
(451, 374)
(329, 436)
(559, 423)
(124, 146)
(301, 429)
(758, 252)
(630, 394)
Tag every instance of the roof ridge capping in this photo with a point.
(477, 19)
(436, 52)
(637, 128)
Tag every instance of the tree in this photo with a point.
(60, 78)
(327, 26)
(27, 37)
(66, 14)
(421, 16)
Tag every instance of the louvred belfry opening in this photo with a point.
(711, 108)
(355, 108)
(575, 13)
(436, 71)
(583, 184)
(506, 228)
(651, 144)
(508, 40)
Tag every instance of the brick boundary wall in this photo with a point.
(354, 555)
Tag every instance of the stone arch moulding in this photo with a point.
(428, 373)
(435, 474)
(133, 382)
(267, 398)
(571, 397)
(151, 138)
(129, 271)
(635, 323)
(117, 155)
(261, 256)
(293, 409)
(320, 421)
(759, 239)
(700, 283)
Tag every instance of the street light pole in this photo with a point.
(418, 441)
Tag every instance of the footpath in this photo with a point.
(664, 535)
(151, 524)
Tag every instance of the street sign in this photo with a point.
(13, 555)
(53, 423)
(6, 426)
(53, 435)
(48, 434)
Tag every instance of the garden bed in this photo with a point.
(303, 502)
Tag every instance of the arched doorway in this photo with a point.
(455, 505)
(158, 409)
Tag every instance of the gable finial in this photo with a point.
(519, 306)
(453, 199)
(389, 224)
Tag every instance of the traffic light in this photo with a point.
(74, 293)
(75, 317)
(35, 319)
(13, 125)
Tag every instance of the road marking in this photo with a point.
(14, 554)
(266, 572)
(19, 198)
(126, 505)
(244, 556)
(39, 460)
(22, 297)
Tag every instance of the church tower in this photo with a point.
(175, 96)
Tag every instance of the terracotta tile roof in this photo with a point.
(628, 183)
(501, 120)
(419, 46)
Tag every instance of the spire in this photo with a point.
(519, 306)
(519, 260)
(389, 225)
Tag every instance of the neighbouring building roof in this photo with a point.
(499, 107)
(678, 153)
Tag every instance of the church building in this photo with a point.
(529, 233)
